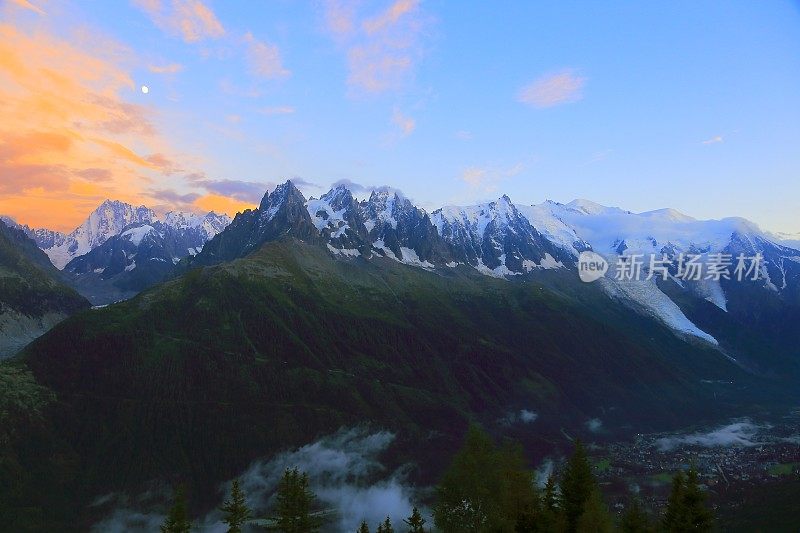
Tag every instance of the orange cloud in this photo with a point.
(67, 138)
(27, 5)
(70, 137)
(222, 204)
(191, 20)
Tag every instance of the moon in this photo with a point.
(145, 89)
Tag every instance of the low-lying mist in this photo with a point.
(344, 472)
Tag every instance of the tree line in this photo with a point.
(486, 489)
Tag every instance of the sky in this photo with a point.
(693, 105)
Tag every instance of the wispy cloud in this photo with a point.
(277, 110)
(358, 189)
(191, 20)
(714, 140)
(474, 176)
(390, 16)
(599, 155)
(486, 179)
(464, 135)
(183, 201)
(95, 174)
(228, 87)
(404, 124)
(172, 68)
(554, 89)
(25, 4)
(245, 191)
(340, 17)
(264, 58)
(381, 49)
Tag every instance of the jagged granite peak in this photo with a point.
(402, 231)
(282, 213)
(339, 219)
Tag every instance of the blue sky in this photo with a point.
(691, 105)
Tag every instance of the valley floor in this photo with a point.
(747, 467)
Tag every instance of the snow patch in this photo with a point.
(410, 257)
(136, 235)
(348, 252)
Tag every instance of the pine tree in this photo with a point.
(577, 484)
(550, 498)
(549, 518)
(235, 509)
(385, 526)
(595, 517)
(697, 516)
(675, 514)
(635, 520)
(415, 522)
(177, 520)
(686, 509)
(363, 528)
(485, 488)
(293, 513)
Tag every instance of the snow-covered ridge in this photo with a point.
(112, 218)
(501, 239)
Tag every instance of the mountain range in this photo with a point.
(121, 250)
(503, 240)
(305, 315)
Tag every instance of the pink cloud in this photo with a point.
(382, 49)
(24, 4)
(277, 110)
(553, 89)
(404, 123)
(264, 58)
(191, 20)
(172, 68)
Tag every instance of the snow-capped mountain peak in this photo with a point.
(588, 207)
(210, 223)
(109, 219)
(667, 214)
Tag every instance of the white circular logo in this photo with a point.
(591, 266)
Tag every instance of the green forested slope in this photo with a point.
(195, 378)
